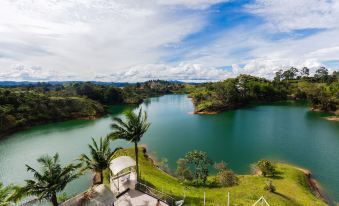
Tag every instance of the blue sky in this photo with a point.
(188, 40)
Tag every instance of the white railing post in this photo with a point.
(228, 199)
(204, 198)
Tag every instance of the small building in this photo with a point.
(124, 189)
(129, 191)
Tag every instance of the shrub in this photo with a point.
(266, 168)
(269, 186)
(183, 172)
(225, 177)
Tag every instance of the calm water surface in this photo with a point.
(283, 131)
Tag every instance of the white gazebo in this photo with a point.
(123, 176)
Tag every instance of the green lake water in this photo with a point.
(286, 132)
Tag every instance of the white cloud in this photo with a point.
(128, 40)
(287, 15)
(34, 73)
(256, 50)
(267, 67)
(84, 36)
(192, 4)
(181, 72)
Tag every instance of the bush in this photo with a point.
(266, 168)
(183, 172)
(225, 177)
(269, 186)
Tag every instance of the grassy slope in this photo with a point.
(291, 184)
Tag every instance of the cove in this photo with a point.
(285, 131)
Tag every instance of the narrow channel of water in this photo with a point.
(282, 131)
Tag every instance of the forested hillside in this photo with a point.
(321, 91)
(23, 106)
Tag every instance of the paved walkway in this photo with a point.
(137, 198)
(100, 196)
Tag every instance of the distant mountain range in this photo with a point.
(29, 83)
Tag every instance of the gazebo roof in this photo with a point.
(120, 163)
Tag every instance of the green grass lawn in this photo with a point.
(291, 186)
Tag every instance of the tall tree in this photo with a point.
(51, 179)
(99, 158)
(305, 72)
(290, 73)
(131, 130)
(321, 74)
(278, 75)
(200, 162)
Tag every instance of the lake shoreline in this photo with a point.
(314, 185)
(9, 132)
(332, 118)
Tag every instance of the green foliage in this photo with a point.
(132, 130)
(63, 197)
(199, 161)
(183, 172)
(104, 94)
(293, 187)
(51, 179)
(321, 74)
(321, 91)
(324, 97)
(235, 92)
(99, 159)
(24, 106)
(269, 186)
(266, 167)
(21, 108)
(6, 194)
(163, 165)
(225, 177)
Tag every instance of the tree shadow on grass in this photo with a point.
(287, 198)
(277, 175)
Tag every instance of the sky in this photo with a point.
(186, 40)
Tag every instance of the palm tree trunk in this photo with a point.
(136, 159)
(54, 200)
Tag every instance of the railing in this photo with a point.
(121, 175)
(155, 193)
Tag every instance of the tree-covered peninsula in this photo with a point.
(321, 91)
(24, 106)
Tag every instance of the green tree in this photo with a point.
(99, 158)
(131, 130)
(290, 73)
(200, 163)
(278, 76)
(266, 167)
(305, 72)
(51, 179)
(6, 194)
(321, 74)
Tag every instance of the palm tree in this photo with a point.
(6, 194)
(51, 179)
(131, 130)
(99, 159)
